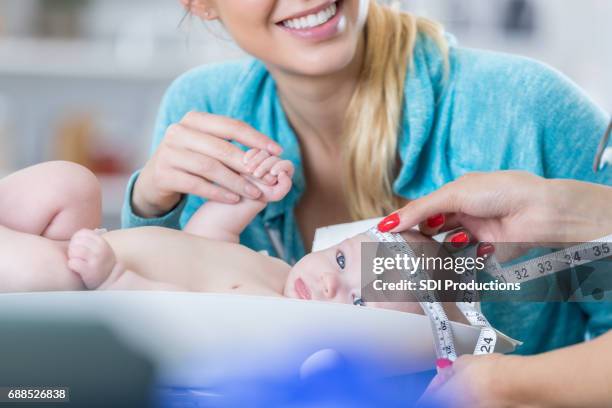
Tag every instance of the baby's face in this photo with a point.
(332, 275)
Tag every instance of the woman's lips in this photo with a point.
(322, 32)
(302, 290)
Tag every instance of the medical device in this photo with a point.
(604, 155)
(442, 332)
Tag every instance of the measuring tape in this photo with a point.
(552, 263)
(442, 332)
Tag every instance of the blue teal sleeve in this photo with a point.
(129, 219)
(573, 128)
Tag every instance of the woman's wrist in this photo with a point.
(579, 211)
(514, 387)
(146, 206)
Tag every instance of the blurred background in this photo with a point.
(81, 80)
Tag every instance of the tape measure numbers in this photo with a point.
(442, 331)
(552, 263)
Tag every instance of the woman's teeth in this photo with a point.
(312, 20)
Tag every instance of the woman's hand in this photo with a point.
(197, 157)
(472, 381)
(573, 376)
(510, 206)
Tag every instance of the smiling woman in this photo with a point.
(315, 48)
(374, 107)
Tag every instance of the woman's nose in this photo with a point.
(330, 285)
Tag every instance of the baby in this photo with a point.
(37, 254)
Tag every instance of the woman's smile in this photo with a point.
(319, 23)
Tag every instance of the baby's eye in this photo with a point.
(340, 259)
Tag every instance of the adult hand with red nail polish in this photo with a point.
(512, 206)
(470, 381)
(574, 376)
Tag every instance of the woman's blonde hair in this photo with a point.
(374, 115)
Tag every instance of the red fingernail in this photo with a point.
(485, 249)
(389, 223)
(460, 239)
(443, 363)
(436, 221)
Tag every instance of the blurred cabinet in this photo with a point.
(90, 74)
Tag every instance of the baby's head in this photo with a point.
(334, 275)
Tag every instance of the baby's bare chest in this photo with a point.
(196, 263)
(251, 275)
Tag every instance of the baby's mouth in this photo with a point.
(302, 290)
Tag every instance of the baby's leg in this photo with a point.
(30, 263)
(53, 199)
(94, 260)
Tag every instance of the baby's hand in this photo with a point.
(91, 257)
(271, 174)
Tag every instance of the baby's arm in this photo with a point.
(225, 222)
(92, 259)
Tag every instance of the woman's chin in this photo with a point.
(317, 61)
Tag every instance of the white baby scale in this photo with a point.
(224, 336)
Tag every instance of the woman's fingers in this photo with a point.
(186, 183)
(230, 129)
(432, 225)
(248, 156)
(213, 171)
(214, 163)
(181, 137)
(442, 201)
(257, 160)
(458, 239)
(451, 222)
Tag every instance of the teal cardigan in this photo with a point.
(491, 112)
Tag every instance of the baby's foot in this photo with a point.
(90, 256)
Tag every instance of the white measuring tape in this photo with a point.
(442, 332)
(552, 263)
(526, 271)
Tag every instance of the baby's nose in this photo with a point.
(330, 285)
